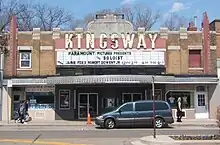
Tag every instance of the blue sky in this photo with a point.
(187, 8)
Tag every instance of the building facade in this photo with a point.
(66, 74)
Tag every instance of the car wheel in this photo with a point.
(109, 124)
(159, 123)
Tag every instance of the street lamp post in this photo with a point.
(154, 114)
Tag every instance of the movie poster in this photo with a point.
(64, 99)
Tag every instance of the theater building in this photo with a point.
(66, 74)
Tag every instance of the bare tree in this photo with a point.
(30, 16)
(7, 9)
(48, 18)
(174, 22)
(26, 19)
(140, 15)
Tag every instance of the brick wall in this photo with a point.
(43, 55)
(177, 52)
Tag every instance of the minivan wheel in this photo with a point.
(109, 123)
(159, 123)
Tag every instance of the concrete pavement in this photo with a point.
(94, 137)
(78, 132)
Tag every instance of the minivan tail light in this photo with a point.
(170, 111)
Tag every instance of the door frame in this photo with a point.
(204, 115)
(132, 94)
(87, 94)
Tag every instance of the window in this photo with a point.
(144, 106)
(25, 59)
(194, 58)
(127, 107)
(201, 100)
(161, 106)
(187, 98)
(40, 100)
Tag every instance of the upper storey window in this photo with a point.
(194, 58)
(25, 58)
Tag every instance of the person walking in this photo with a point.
(179, 109)
(26, 116)
(22, 111)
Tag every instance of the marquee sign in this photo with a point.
(88, 40)
(110, 57)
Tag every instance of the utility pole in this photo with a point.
(3, 52)
(154, 114)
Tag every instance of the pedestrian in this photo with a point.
(179, 109)
(22, 111)
(26, 116)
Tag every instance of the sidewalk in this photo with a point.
(185, 122)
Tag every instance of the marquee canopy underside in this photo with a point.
(111, 79)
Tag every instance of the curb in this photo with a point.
(36, 125)
(197, 125)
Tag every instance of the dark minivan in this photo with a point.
(137, 113)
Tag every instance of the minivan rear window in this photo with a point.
(142, 106)
(161, 106)
(148, 106)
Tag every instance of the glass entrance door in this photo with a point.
(131, 97)
(93, 105)
(201, 105)
(87, 103)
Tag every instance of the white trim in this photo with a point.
(194, 32)
(213, 47)
(201, 115)
(23, 84)
(147, 49)
(69, 99)
(195, 47)
(196, 68)
(24, 69)
(29, 67)
(145, 94)
(74, 99)
(46, 47)
(24, 48)
(172, 47)
(186, 82)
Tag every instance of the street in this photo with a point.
(88, 135)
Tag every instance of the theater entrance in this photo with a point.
(87, 103)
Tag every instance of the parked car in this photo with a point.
(139, 113)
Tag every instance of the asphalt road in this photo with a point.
(90, 136)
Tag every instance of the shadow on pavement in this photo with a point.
(137, 127)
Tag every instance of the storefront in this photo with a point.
(40, 97)
(72, 97)
(195, 98)
(76, 100)
(92, 94)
